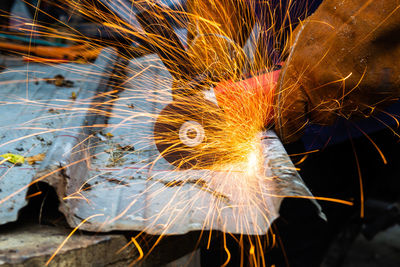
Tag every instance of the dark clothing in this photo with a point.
(277, 18)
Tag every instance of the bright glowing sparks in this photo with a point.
(223, 164)
(141, 254)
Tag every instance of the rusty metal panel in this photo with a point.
(39, 115)
(108, 172)
(128, 192)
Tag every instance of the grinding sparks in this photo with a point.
(120, 140)
(253, 162)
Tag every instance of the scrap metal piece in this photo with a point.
(116, 173)
(142, 191)
(40, 118)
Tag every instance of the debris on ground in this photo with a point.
(116, 158)
(126, 148)
(73, 95)
(33, 159)
(19, 160)
(59, 81)
(52, 110)
(12, 158)
(117, 154)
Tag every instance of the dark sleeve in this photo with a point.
(277, 18)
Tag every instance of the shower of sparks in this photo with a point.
(234, 176)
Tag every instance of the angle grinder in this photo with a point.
(189, 131)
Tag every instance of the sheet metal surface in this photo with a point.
(128, 191)
(107, 174)
(38, 117)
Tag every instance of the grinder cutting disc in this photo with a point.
(186, 133)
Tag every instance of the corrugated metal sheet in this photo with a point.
(95, 175)
(38, 117)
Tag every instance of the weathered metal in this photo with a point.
(39, 117)
(114, 172)
(136, 189)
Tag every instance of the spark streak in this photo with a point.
(68, 237)
(229, 168)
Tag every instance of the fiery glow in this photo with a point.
(224, 168)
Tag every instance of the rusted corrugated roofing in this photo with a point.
(39, 117)
(117, 188)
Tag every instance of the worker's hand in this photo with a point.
(344, 61)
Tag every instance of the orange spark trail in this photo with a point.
(70, 234)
